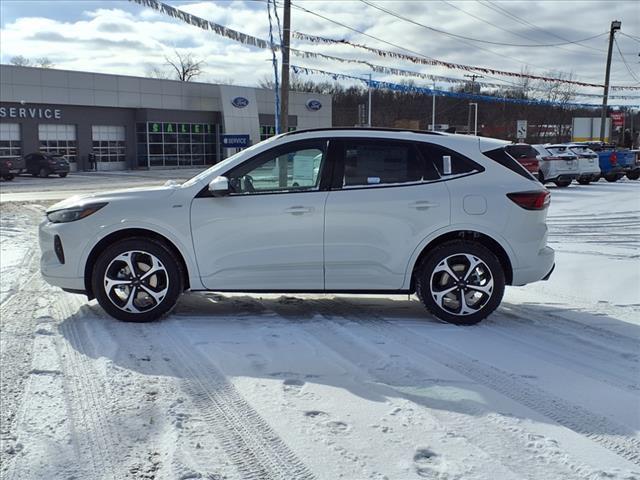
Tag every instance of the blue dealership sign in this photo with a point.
(314, 105)
(240, 102)
(235, 141)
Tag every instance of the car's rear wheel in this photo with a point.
(633, 175)
(584, 181)
(562, 183)
(541, 177)
(43, 172)
(63, 174)
(137, 280)
(9, 177)
(611, 177)
(461, 282)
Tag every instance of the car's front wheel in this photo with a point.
(461, 282)
(137, 280)
(63, 174)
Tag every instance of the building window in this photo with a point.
(268, 131)
(176, 144)
(10, 144)
(58, 140)
(108, 143)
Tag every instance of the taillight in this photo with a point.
(614, 158)
(9, 164)
(552, 159)
(538, 200)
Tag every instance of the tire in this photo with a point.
(63, 174)
(541, 177)
(457, 256)
(562, 183)
(144, 255)
(43, 172)
(611, 178)
(633, 175)
(9, 177)
(584, 181)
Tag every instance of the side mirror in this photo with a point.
(219, 186)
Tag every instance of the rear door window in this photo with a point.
(372, 162)
(501, 156)
(446, 161)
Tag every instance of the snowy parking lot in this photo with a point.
(327, 387)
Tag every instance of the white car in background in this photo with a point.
(588, 164)
(452, 218)
(557, 165)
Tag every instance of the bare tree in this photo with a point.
(186, 67)
(22, 61)
(158, 72)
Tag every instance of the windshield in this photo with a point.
(226, 161)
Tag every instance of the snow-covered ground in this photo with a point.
(282, 387)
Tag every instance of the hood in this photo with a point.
(140, 193)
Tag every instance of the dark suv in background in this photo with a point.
(44, 164)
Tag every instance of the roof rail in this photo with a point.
(361, 129)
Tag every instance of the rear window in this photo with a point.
(501, 156)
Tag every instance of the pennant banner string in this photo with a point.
(440, 93)
(250, 40)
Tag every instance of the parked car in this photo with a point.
(610, 168)
(526, 156)
(557, 165)
(452, 218)
(44, 164)
(588, 164)
(634, 172)
(10, 167)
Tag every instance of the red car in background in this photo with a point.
(525, 155)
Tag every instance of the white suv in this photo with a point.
(318, 211)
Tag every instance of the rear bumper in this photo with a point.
(540, 269)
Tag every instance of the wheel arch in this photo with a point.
(125, 234)
(472, 235)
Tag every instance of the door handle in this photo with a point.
(299, 210)
(423, 205)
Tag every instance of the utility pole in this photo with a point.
(284, 92)
(615, 26)
(369, 104)
(473, 91)
(433, 107)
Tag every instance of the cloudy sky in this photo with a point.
(126, 38)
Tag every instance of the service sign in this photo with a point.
(314, 105)
(47, 113)
(240, 102)
(235, 141)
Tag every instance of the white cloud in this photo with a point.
(131, 41)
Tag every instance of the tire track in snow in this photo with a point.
(608, 434)
(252, 445)
(486, 433)
(88, 399)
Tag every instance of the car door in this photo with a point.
(385, 199)
(267, 234)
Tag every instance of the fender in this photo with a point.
(455, 228)
(182, 244)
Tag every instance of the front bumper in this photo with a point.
(65, 275)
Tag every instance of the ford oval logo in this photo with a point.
(314, 105)
(239, 102)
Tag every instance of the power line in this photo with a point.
(454, 35)
(625, 61)
(497, 8)
(432, 60)
(632, 37)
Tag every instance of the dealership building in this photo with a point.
(116, 122)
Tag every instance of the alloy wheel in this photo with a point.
(461, 284)
(136, 281)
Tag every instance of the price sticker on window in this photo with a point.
(446, 164)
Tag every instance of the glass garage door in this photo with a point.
(10, 144)
(109, 147)
(59, 140)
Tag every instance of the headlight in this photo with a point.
(74, 213)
